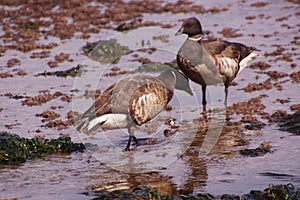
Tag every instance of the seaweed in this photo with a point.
(255, 126)
(73, 72)
(155, 67)
(30, 25)
(108, 51)
(142, 192)
(291, 123)
(15, 149)
(124, 27)
(273, 192)
(259, 151)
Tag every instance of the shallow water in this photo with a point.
(201, 156)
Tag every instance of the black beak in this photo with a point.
(179, 32)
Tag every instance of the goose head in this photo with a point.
(192, 28)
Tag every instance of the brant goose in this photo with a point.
(209, 62)
(133, 101)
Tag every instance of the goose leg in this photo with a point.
(131, 136)
(128, 144)
(204, 95)
(227, 115)
(135, 140)
(226, 94)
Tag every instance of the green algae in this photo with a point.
(15, 149)
(255, 126)
(259, 151)
(30, 25)
(291, 123)
(107, 51)
(142, 192)
(155, 67)
(273, 192)
(73, 72)
(124, 27)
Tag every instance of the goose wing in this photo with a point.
(141, 97)
(149, 100)
(101, 104)
(227, 57)
(227, 49)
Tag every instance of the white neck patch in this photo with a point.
(196, 37)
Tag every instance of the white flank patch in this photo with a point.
(227, 66)
(146, 107)
(145, 99)
(229, 62)
(109, 121)
(144, 102)
(245, 61)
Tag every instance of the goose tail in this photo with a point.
(88, 124)
(104, 122)
(252, 55)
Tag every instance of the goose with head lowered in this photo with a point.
(133, 101)
(210, 62)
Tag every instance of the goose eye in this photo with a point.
(190, 25)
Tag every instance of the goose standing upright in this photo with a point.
(210, 62)
(133, 101)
